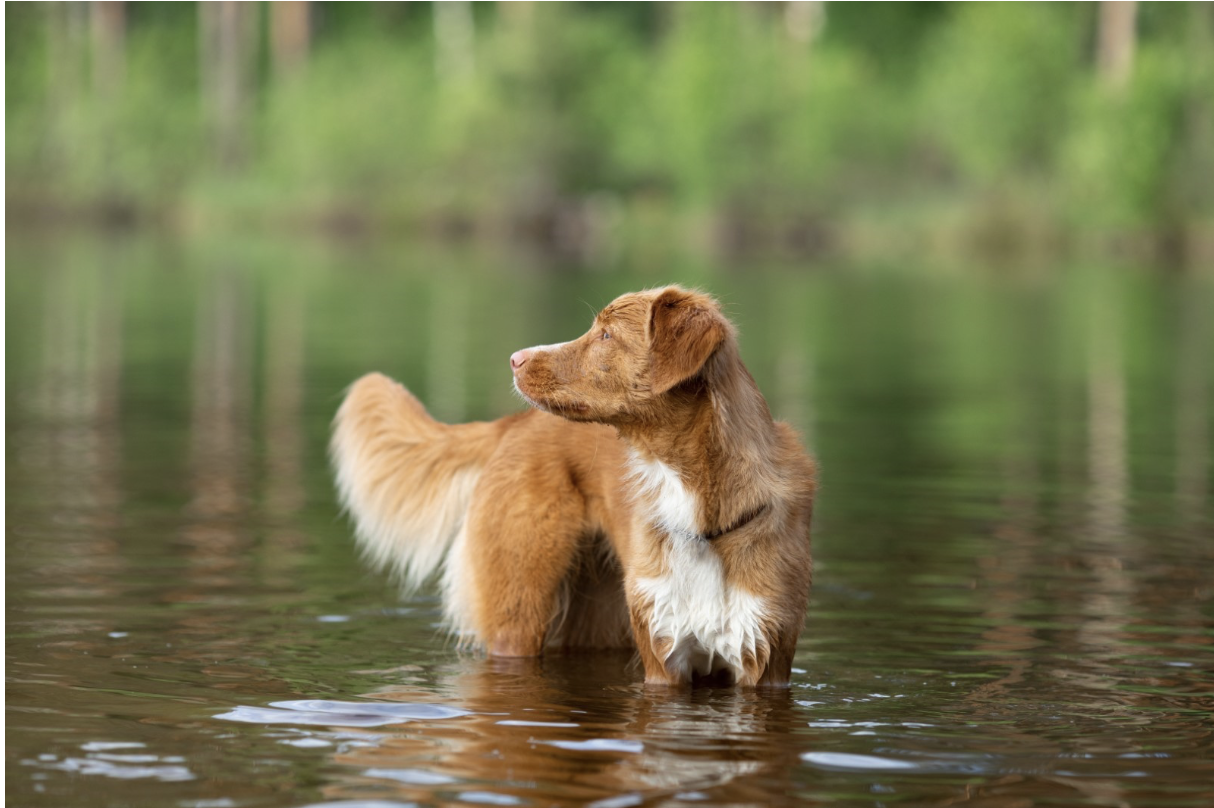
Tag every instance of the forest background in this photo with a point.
(1011, 129)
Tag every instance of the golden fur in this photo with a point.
(649, 500)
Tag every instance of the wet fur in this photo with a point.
(580, 523)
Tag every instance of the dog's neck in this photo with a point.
(716, 433)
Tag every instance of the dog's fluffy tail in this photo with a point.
(405, 478)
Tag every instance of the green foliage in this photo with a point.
(149, 143)
(322, 134)
(997, 83)
(1127, 156)
(143, 144)
(712, 110)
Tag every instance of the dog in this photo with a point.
(646, 501)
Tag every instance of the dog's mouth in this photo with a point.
(572, 408)
(563, 408)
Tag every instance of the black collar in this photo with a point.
(744, 520)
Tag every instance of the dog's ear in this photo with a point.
(684, 330)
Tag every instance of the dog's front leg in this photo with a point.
(656, 672)
(777, 672)
(654, 653)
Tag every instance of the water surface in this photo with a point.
(1014, 598)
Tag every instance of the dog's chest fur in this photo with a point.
(710, 624)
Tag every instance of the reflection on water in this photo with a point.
(1014, 565)
(569, 730)
(1193, 384)
(218, 535)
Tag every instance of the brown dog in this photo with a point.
(649, 500)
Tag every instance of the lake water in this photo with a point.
(1014, 596)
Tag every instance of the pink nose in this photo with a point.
(519, 358)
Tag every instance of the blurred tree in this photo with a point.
(228, 37)
(695, 116)
(1115, 42)
(108, 23)
(66, 52)
(454, 54)
(997, 86)
(804, 19)
(290, 35)
(891, 36)
(1196, 160)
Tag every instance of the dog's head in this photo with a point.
(641, 347)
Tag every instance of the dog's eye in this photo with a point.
(606, 335)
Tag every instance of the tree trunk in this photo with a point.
(1116, 41)
(1197, 153)
(804, 19)
(455, 59)
(228, 38)
(67, 52)
(108, 23)
(290, 35)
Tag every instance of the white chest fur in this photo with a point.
(660, 492)
(710, 624)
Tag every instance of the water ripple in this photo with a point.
(599, 745)
(843, 761)
(340, 713)
(119, 770)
